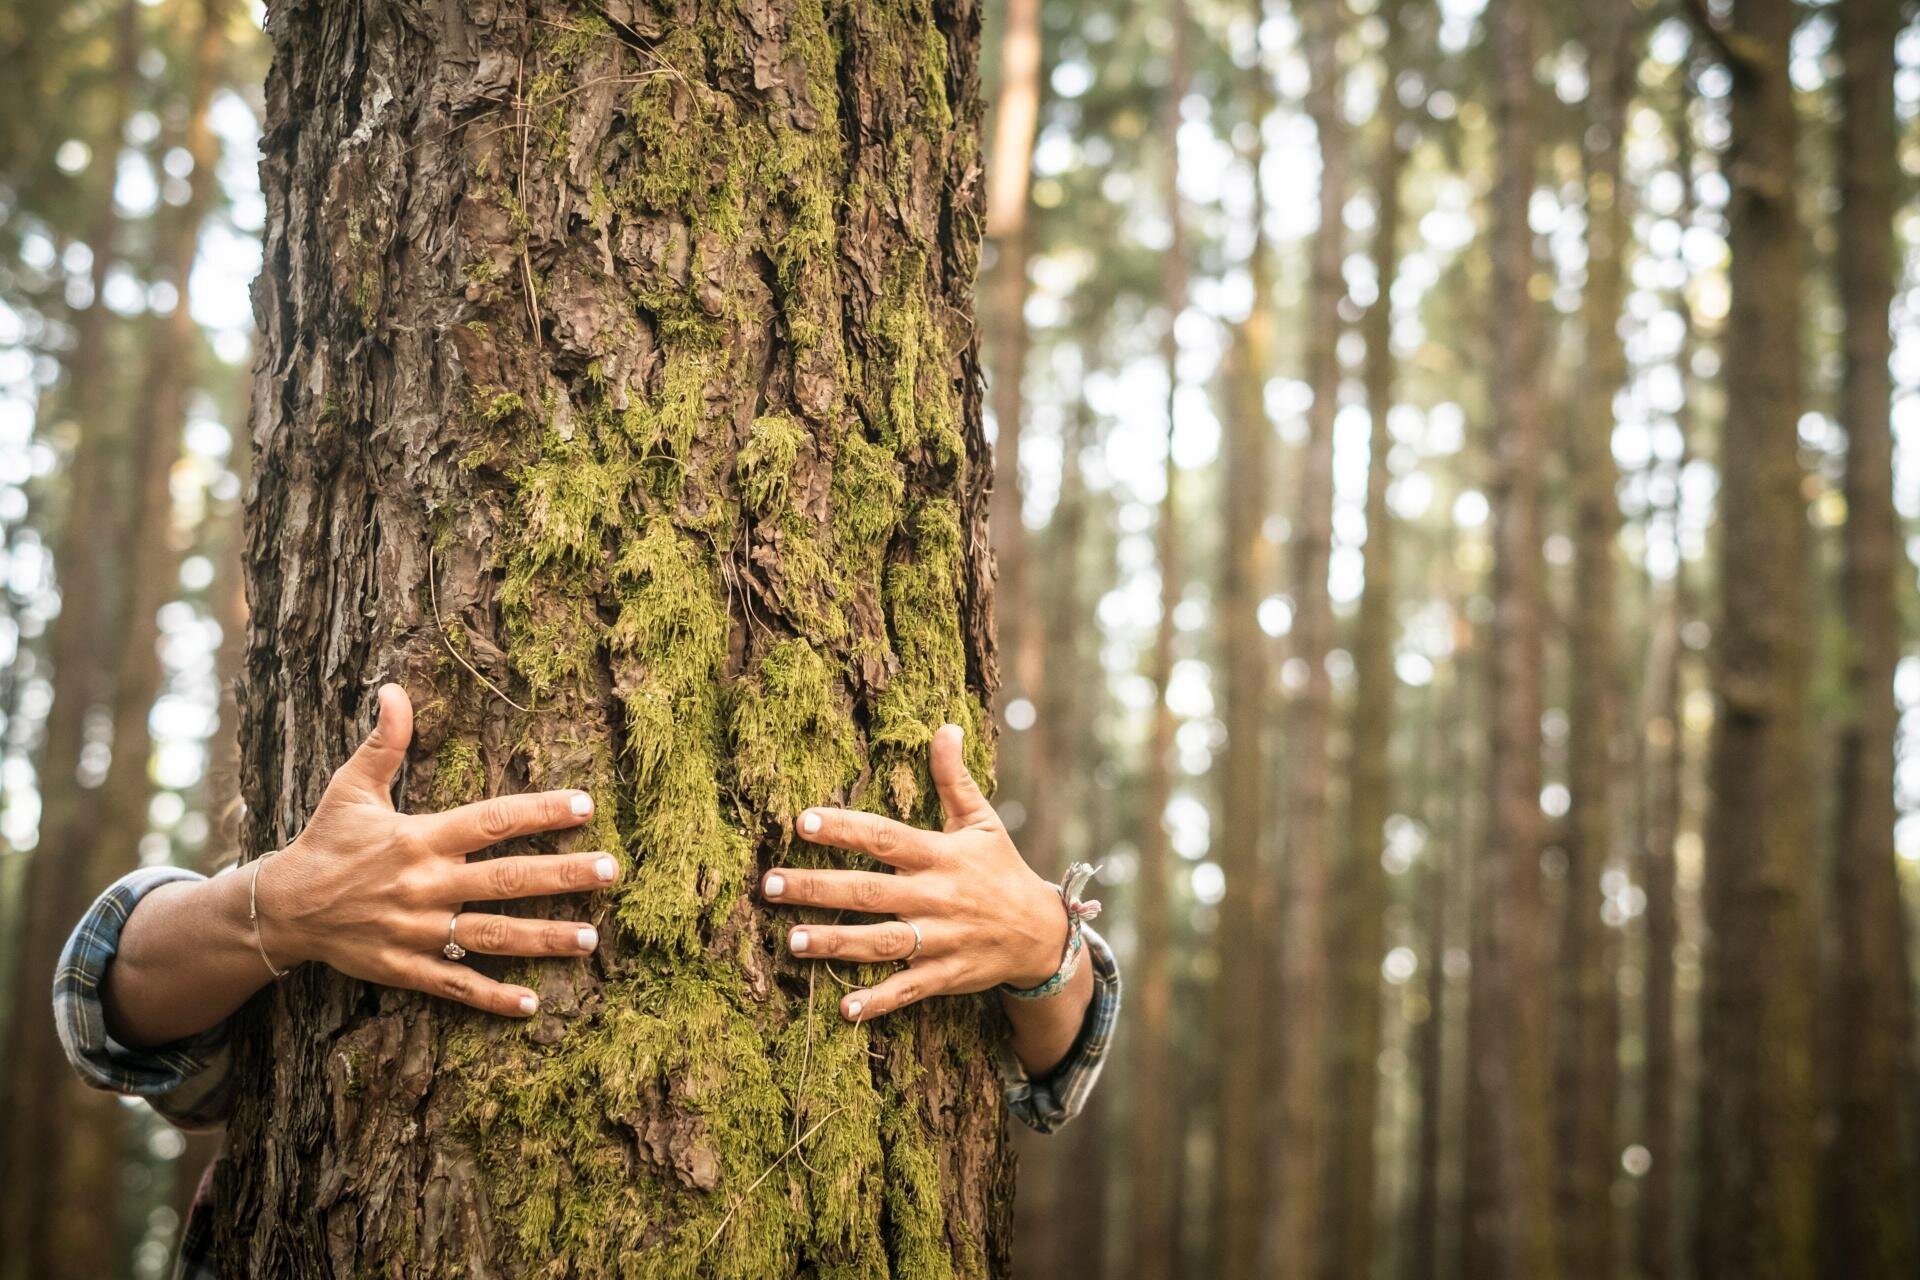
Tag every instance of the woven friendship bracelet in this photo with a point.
(1079, 911)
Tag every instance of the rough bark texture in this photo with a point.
(1866, 1231)
(1510, 1144)
(1758, 1160)
(1156, 1149)
(1360, 882)
(1247, 912)
(1587, 1085)
(61, 1143)
(618, 396)
(1296, 1241)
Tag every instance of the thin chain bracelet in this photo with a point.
(253, 917)
(1079, 911)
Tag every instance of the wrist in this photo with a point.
(274, 929)
(1049, 937)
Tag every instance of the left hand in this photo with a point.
(984, 916)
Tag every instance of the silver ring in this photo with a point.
(918, 942)
(453, 950)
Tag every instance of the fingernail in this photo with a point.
(853, 1008)
(529, 1004)
(809, 823)
(606, 868)
(581, 804)
(589, 939)
(797, 939)
(776, 885)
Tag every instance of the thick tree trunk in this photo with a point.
(60, 1152)
(1866, 1231)
(1247, 911)
(1587, 1088)
(1156, 1147)
(1360, 885)
(1297, 1238)
(1512, 1201)
(1758, 1161)
(697, 523)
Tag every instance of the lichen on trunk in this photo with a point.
(619, 397)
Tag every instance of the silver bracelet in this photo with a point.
(253, 917)
(1079, 911)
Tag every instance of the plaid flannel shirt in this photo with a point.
(187, 1082)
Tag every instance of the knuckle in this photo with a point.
(491, 933)
(507, 877)
(882, 836)
(459, 985)
(899, 939)
(907, 992)
(866, 893)
(561, 938)
(495, 818)
(826, 942)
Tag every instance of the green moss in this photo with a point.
(766, 461)
(917, 401)
(459, 774)
(792, 736)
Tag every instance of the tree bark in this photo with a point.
(1867, 1231)
(1157, 1147)
(1758, 1160)
(51, 1216)
(1587, 1088)
(1360, 889)
(1296, 1242)
(1247, 911)
(1512, 1209)
(619, 396)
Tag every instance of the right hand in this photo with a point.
(369, 891)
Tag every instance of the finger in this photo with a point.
(473, 827)
(862, 943)
(906, 987)
(960, 796)
(373, 767)
(533, 875)
(457, 982)
(870, 892)
(493, 935)
(894, 843)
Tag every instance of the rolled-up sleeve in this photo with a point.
(1044, 1103)
(186, 1081)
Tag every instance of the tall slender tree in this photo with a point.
(1758, 1159)
(1867, 1230)
(1511, 1209)
(1587, 1088)
(1153, 1233)
(1360, 886)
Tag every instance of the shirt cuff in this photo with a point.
(184, 1081)
(1044, 1103)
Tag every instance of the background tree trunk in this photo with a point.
(1867, 1232)
(618, 396)
(1512, 1210)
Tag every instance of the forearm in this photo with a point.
(187, 960)
(1044, 1030)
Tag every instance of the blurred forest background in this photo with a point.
(1458, 508)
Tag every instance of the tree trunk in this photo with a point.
(1586, 1096)
(1157, 1147)
(1296, 1241)
(1866, 1231)
(699, 524)
(60, 1154)
(1247, 910)
(1513, 1205)
(1360, 886)
(1758, 1160)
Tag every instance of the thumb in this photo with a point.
(377, 762)
(959, 795)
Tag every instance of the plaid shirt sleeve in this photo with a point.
(186, 1081)
(1047, 1102)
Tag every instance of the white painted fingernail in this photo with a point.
(589, 939)
(528, 1004)
(606, 868)
(809, 823)
(776, 885)
(797, 939)
(853, 1008)
(582, 805)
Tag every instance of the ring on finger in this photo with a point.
(919, 940)
(453, 950)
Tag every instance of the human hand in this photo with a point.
(984, 916)
(371, 891)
